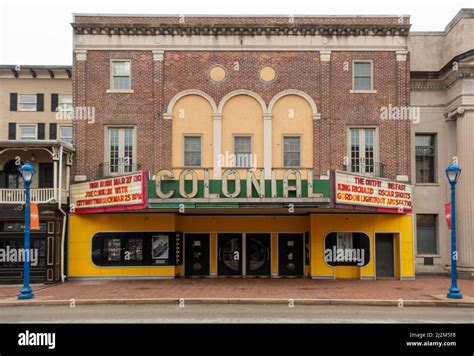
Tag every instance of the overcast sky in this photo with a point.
(39, 32)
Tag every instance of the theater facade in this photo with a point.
(241, 146)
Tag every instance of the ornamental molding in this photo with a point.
(242, 30)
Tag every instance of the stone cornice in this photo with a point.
(242, 30)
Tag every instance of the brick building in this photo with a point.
(263, 145)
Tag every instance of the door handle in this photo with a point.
(219, 254)
(268, 254)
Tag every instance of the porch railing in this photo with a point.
(37, 195)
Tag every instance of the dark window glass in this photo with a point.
(362, 76)
(425, 158)
(426, 234)
(291, 151)
(192, 151)
(347, 249)
(134, 248)
(46, 175)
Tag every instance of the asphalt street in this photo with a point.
(233, 313)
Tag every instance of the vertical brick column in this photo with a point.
(403, 126)
(158, 108)
(321, 138)
(79, 80)
(163, 126)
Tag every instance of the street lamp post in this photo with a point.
(27, 172)
(453, 172)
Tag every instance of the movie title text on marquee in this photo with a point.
(108, 193)
(370, 191)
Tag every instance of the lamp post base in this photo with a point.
(454, 293)
(26, 293)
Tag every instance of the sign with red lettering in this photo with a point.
(447, 213)
(374, 192)
(112, 194)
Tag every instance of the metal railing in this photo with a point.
(364, 166)
(17, 196)
(109, 170)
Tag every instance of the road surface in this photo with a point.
(233, 313)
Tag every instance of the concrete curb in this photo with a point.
(143, 301)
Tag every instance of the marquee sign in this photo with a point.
(375, 192)
(237, 184)
(112, 194)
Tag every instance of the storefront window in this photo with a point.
(347, 249)
(133, 249)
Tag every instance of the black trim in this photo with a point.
(13, 101)
(39, 102)
(53, 128)
(12, 131)
(41, 131)
(54, 102)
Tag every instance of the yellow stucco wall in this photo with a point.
(192, 115)
(292, 115)
(242, 115)
(83, 227)
(322, 225)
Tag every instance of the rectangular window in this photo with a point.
(65, 103)
(291, 151)
(243, 151)
(121, 151)
(121, 75)
(27, 102)
(362, 76)
(425, 158)
(192, 151)
(65, 133)
(427, 234)
(46, 175)
(28, 132)
(363, 151)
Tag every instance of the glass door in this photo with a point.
(229, 254)
(258, 255)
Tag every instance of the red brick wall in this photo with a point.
(155, 83)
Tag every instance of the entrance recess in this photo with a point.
(229, 254)
(258, 258)
(196, 254)
(384, 256)
(290, 254)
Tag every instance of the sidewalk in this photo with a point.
(430, 291)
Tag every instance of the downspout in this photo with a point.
(60, 193)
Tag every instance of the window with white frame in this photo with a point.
(192, 151)
(344, 240)
(26, 102)
(121, 150)
(363, 150)
(65, 133)
(362, 79)
(243, 151)
(28, 132)
(121, 75)
(65, 103)
(291, 151)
